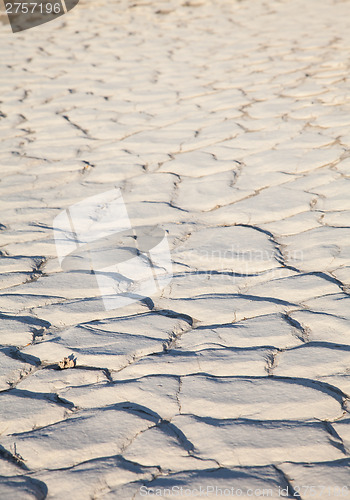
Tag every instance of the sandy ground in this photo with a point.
(225, 124)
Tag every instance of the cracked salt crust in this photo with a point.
(225, 124)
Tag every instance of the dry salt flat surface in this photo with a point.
(225, 123)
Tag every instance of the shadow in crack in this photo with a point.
(25, 487)
(14, 353)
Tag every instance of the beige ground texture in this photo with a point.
(225, 124)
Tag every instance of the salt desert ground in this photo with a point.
(225, 126)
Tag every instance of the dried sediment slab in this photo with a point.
(156, 393)
(322, 326)
(272, 330)
(24, 410)
(297, 289)
(327, 359)
(214, 361)
(237, 248)
(100, 475)
(11, 368)
(110, 429)
(16, 330)
(222, 308)
(249, 442)
(322, 478)
(318, 249)
(257, 398)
